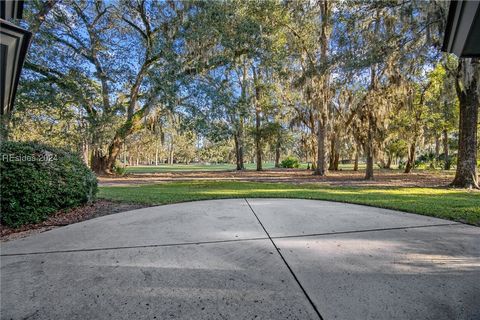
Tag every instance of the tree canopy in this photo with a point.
(236, 81)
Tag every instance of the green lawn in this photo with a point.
(212, 167)
(453, 204)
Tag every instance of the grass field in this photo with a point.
(457, 205)
(212, 167)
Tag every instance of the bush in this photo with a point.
(38, 180)
(290, 162)
(429, 161)
(120, 169)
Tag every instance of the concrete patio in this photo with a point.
(246, 259)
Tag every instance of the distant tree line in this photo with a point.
(241, 81)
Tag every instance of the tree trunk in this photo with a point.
(467, 86)
(98, 162)
(325, 10)
(238, 152)
(113, 151)
(41, 15)
(321, 139)
(369, 150)
(369, 170)
(355, 164)
(437, 146)
(389, 162)
(238, 138)
(170, 153)
(240, 164)
(411, 158)
(336, 161)
(237, 156)
(313, 151)
(277, 154)
(331, 160)
(258, 143)
(258, 120)
(85, 152)
(132, 124)
(448, 163)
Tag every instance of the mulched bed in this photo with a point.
(62, 218)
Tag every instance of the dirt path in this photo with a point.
(389, 178)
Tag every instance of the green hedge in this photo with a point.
(290, 162)
(38, 180)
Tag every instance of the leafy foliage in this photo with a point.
(149, 82)
(290, 162)
(38, 180)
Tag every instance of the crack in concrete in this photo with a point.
(286, 264)
(132, 247)
(366, 230)
(225, 241)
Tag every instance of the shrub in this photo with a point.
(38, 180)
(429, 161)
(120, 169)
(290, 162)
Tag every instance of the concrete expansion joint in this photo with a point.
(366, 230)
(286, 263)
(227, 241)
(133, 247)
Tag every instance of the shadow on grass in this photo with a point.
(452, 204)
